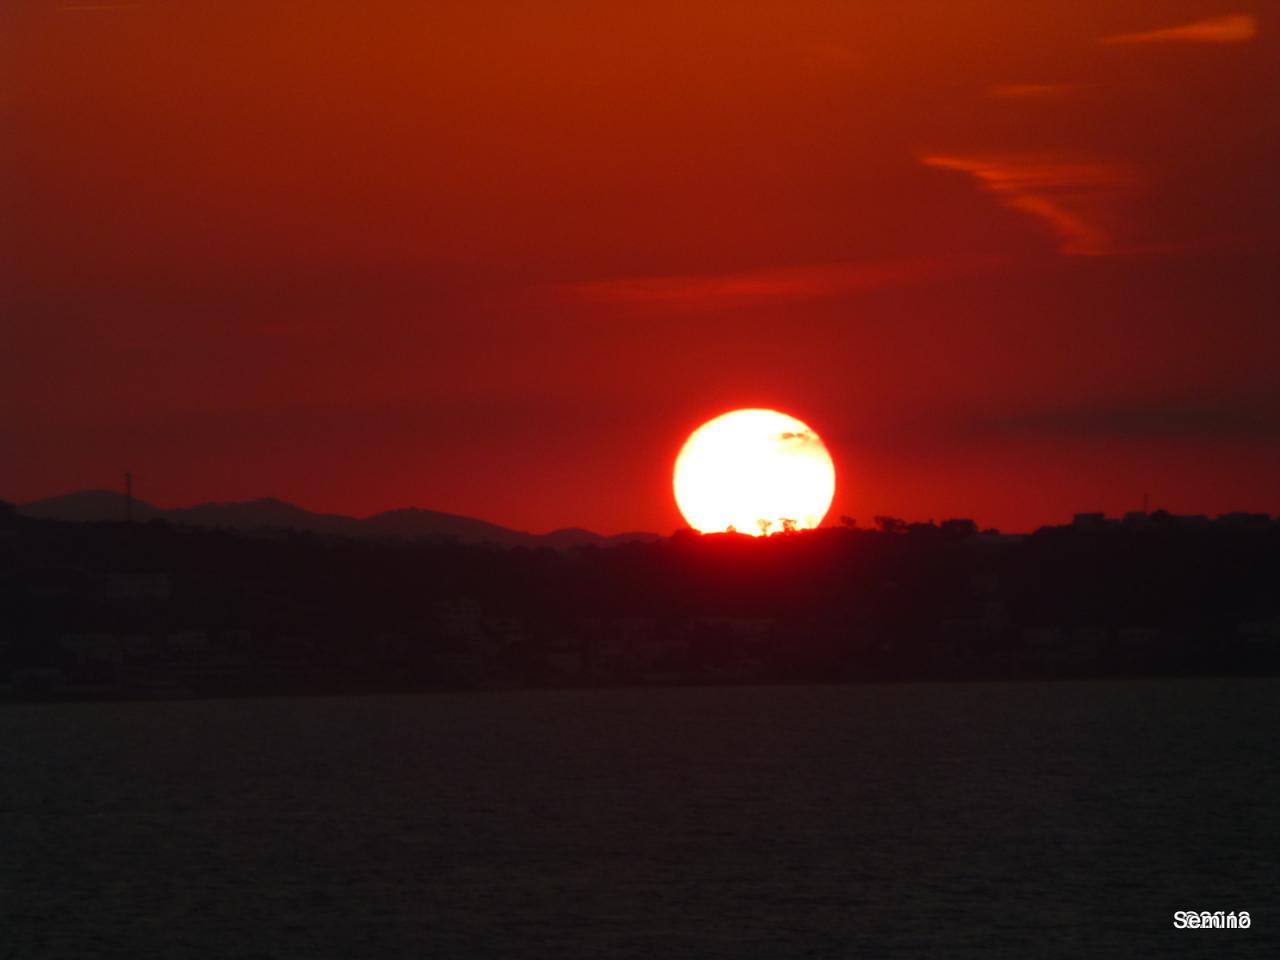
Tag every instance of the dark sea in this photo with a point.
(915, 820)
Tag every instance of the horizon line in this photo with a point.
(1077, 518)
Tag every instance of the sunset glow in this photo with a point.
(497, 260)
(756, 472)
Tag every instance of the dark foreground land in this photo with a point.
(993, 821)
(100, 610)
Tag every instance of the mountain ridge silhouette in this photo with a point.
(271, 513)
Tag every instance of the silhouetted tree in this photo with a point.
(306, 612)
(890, 524)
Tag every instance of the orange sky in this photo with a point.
(1011, 260)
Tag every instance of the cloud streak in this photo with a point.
(1149, 420)
(1033, 91)
(1233, 28)
(96, 7)
(790, 284)
(1075, 199)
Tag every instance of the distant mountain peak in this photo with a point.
(106, 506)
(88, 506)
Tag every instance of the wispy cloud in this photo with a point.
(1033, 91)
(1074, 198)
(825, 281)
(297, 328)
(827, 55)
(1233, 28)
(96, 7)
(1242, 418)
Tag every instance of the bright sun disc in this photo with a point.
(755, 471)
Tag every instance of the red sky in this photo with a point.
(1010, 260)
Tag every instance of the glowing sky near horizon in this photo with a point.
(1016, 260)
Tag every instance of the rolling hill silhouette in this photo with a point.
(268, 513)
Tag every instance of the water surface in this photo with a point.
(979, 820)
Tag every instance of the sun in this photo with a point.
(756, 472)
